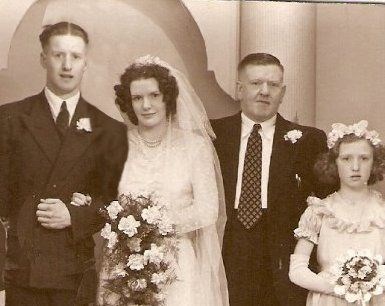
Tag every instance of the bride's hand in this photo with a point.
(79, 199)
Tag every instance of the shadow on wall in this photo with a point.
(129, 29)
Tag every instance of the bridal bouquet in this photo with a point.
(358, 275)
(142, 250)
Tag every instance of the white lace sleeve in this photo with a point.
(204, 209)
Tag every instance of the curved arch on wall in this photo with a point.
(180, 29)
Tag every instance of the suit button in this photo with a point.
(54, 185)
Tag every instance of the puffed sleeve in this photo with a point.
(310, 223)
(204, 208)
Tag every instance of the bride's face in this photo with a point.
(354, 163)
(147, 102)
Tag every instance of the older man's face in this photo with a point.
(260, 89)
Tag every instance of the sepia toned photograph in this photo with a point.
(192, 152)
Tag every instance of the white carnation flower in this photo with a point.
(110, 235)
(152, 214)
(118, 271)
(138, 284)
(154, 254)
(129, 225)
(114, 209)
(134, 244)
(165, 226)
(293, 135)
(136, 262)
(158, 278)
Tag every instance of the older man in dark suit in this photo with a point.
(266, 163)
(51, 145)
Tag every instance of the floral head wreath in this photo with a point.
(340, 130)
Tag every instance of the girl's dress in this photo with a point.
(328, 224)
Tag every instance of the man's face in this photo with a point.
(64, 59)
(260, 90)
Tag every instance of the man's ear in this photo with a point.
(43, 59)
(283, 91)
(239, 90)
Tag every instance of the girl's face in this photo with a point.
(354, 163)
(147, 102)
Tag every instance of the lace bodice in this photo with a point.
(180, 171)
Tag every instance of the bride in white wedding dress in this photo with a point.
(171, 155)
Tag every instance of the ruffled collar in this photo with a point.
(373, 216)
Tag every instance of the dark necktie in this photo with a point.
(62, 119)
(250, 206)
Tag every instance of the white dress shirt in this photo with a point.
(267, 134)
(55, 103)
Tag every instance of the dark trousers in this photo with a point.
(246, 257)
(25, 296)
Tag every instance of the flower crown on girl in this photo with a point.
(339, 130)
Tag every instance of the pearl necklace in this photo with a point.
(150, 143)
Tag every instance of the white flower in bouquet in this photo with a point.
(165, 226)
(152, 214)
(110, 235)
(134, 244)
(114, 209)
(138, 284)
(145, 247)
(118, 271)
(136, 262)
(129, 225)
(154, 254)
(158, 278)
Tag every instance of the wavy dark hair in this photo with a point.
(326, 167)
(167, 86)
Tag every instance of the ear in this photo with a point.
(239, 90)
(43, 58)
(283, 91)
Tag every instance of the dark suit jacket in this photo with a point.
(286, 194)
(36, 165)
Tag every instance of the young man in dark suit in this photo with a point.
(266, 164)
(52, 145)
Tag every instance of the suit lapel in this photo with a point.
(42, 126)
(76, 141)
(281, 158)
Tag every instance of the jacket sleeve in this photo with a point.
(86, 220)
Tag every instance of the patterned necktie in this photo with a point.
(250, 206)
(62, 119)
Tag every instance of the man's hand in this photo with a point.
(53, 214)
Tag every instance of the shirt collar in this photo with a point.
(267, 126)
(55, 102)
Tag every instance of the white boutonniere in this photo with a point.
(293, 135)
(84, 124)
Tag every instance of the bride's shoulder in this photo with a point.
(188, 139)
